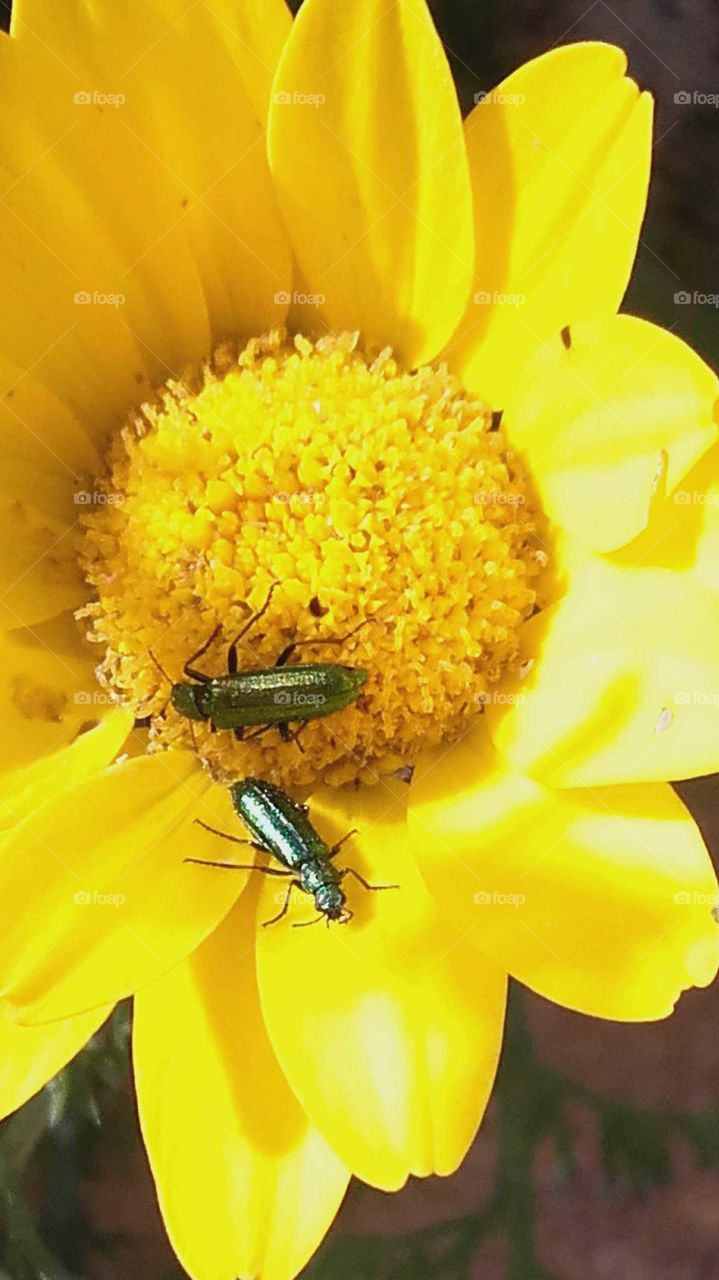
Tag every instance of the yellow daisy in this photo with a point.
(273, 313)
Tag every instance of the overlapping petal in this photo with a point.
(391, 1035)
(603, 417)
(255, 36)
(623, 683)
(98, 872)
(31, 1056)
(39, 573)
(48, 692)
(42, 440)
(372, 179)
(138, 222)
(601, 900)
(559, 154)
(95, 747)
(246, 1185)
(683, 530)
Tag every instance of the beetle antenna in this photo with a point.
(304, 924)
(160, 668)
(341, 639)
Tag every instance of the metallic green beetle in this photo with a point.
(270, 697)
(281, 827)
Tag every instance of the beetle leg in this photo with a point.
(232, 651)
(286, 654)
(336, 847)
(285, 905)
(303, 924)
(328, 640)
(287, 735)
(200, 676)
(159, 668)
(226, 836)
(190, 670)
(350, 871)
(258, 732)
(238, 866)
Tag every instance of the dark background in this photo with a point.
(600, 1154)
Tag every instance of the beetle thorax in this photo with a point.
(330, 900)
(318, 876)
(368, 494)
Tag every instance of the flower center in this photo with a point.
(369, 496)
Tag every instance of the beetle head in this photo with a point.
(184, 699)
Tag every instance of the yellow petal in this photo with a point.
(683, 529)
(39, 574)
(391, 1036)
(199, 124)
(255, 35)
(78, 211)
(99, 899)
(625, 681)
(44, 441)
(600, 901)
(369, 162)
(31, 1056)
(247, 1187)
(91, 751)
(134, 170)
(602, 420)
(559, 155)
(48, 691)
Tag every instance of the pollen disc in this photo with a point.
(369, 494)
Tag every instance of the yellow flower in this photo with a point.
(527, 526)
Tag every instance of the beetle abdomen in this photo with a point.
(277, 823)
(275, 695)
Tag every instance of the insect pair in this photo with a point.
(268, 697)
(281, 827)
